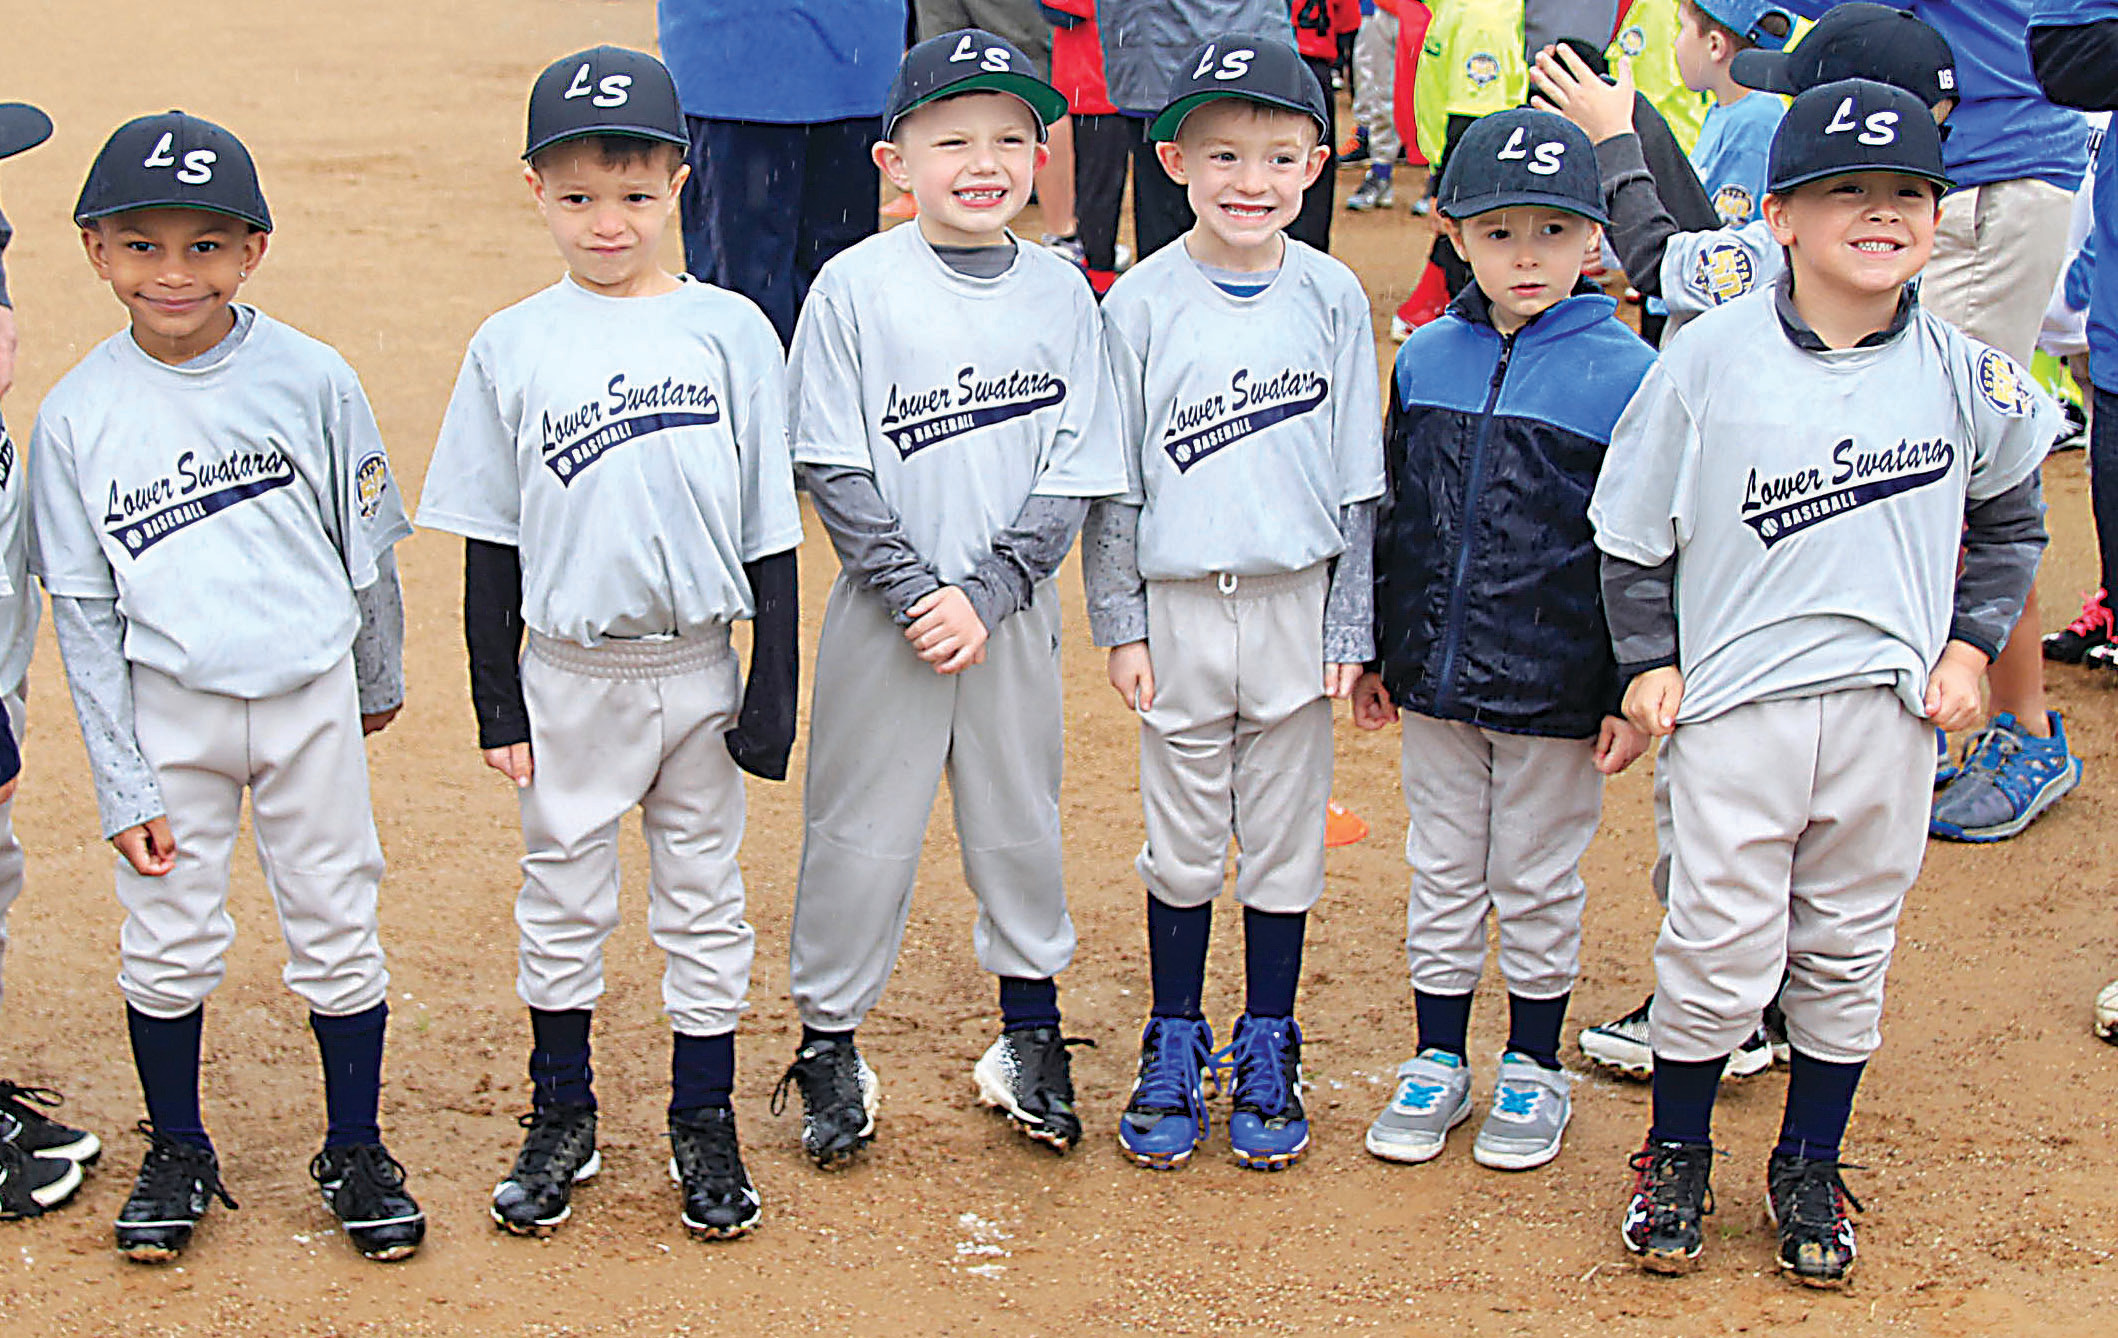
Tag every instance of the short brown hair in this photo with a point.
(1707, 24)
(619, 151)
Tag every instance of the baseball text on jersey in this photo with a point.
(913, 420)
(141, 516)
(577, 438)
(1780, 505)
(1252, 403)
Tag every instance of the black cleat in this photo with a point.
(704, 1159)
(558, 1153)
(1027, 1077)
(1672, 1196)
(40, 1135)
(31, 1185)
(176, 1183)
(838, 1100)
(363, 1186)
(1807, 1202)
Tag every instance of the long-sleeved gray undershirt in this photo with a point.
(1640, 226)
(2004, 537)
(875, 551)
(1117, 594)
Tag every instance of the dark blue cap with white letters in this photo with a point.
(1518, 157)
(605, 90)
(1251, 66)
(1857, 41)
(173, 161)
(969, 60)
(1854, 125)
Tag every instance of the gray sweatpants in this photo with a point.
(883, 729)
(1238, 740)
(1798, 827)
(1499, 823)
(621, 724)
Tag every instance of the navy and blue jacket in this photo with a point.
(1487, 600)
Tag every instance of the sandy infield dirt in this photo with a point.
(386, 134)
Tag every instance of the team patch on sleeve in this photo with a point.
(371, 479)
(2002, 383)
(1734, 205)
(1723, 270)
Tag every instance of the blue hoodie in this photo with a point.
(2092, 80)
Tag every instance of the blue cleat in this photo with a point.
(2009, 778)
(1268, 1127)
(1166, 1118)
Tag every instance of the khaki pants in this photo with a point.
(1997, 254)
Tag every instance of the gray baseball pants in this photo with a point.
(1799, 826)
(884, 728)
(1499, 823)
(1238, 740)
(613, 726)
(300, 755)
(11, 859)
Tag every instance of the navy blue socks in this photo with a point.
(1534, 1026)
(1684, 1100)
(1026, 1003)
(1176, 955)
(1272, 961)
(351, 1050)
(1443, 1020)
(701, 1071)
(1819, 1102)
(166, 1053)
(559, 1070)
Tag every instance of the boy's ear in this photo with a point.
(1171, 155)
(891, 160)
(254, 244)
(1453, 230)
(1044, 155)
(1318, 156)
(676, 183)
(535, 180)
(92, 243)
(1773, 209)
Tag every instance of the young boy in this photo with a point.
(1737, 132)
(1490, 629)
(40, 1158)
(951, 412)
(213, 519)
(1230, 579)
(1780, 517)
(615, 458)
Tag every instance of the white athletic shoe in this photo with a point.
(2107, 1013)
(1622, 1046)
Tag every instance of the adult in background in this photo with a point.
(783, 101)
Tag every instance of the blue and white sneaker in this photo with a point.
(1166, 1117)
(1531, 1108)
(1944, 769)
(1268, 1127)
(1433, 1096)
(2009, 777)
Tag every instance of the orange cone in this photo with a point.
(1342, 826)
(904, 206)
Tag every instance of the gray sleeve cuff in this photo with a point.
(871, 541)
(1349, 605)
(1110, 572)
(92, 642)
(1640, 226)
(1640, 605)
(1028, 551)
(2004, 537)
(378, 647)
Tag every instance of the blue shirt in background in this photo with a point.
(789, 62)
(1730, 156)
(2101, 249)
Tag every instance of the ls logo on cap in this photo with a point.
(609, 92)
(1544, 160)
(197, 169)
(1881, 127)
(993, 59)
(1233, 64)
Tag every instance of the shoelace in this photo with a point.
(1819, 1185)
(828, 1078)
(1991, 749)
(40, 1096)
(706, 1147)
(368, 1177)
(2095, 616)
(173, 1166)
(1054, 1071)
(549, 1129)
(1169, 1079)
(1668, 1172)
(1419, 1096)
(1517, 1099)
(1258, 1059)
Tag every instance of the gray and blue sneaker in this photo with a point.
(1433, 1096)
(1945, 770)
(1531, 1107)
(2009, 777)
(1267, 1127)
(1166, 1117)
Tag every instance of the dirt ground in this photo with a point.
(386, 134)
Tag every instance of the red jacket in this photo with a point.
(1319, 23)
(1077, 60)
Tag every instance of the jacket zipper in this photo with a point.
(1474, 484)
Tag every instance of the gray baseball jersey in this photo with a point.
(1816, 521)
(231, 510)
(1248, 421)
(634, 449)
(962, 395)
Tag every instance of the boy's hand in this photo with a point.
(1618, 745)
(1372, 707)
(1566, 85)
(1952, 689)
(512, 762)
(1340, 678)
(1652, 699)
(148, 848)
(378, 722)
(946, 631)
(1133, 675)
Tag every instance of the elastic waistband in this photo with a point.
(657, 658)
(1228, 585)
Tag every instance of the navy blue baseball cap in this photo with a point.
(605, 90)
(1857, 41)
(1251, 66)
(21, 127)
(1854, 125)
(1758, 22)
(1522, 157)
(173, 161)
(969, 60)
